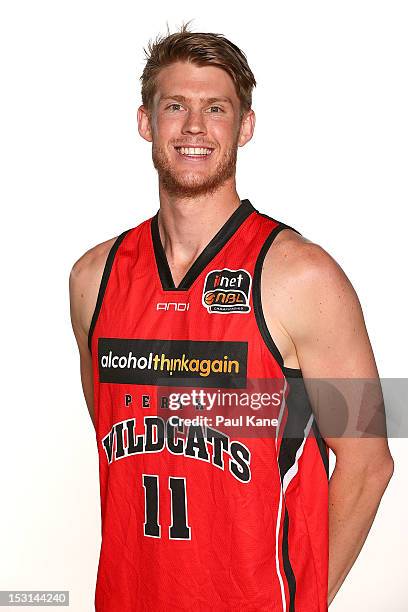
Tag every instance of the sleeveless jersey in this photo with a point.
(204, 506)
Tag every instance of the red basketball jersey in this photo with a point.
(209, 500)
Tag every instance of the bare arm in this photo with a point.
(323, 318)
(84, 282)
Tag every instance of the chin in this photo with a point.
(185, 185)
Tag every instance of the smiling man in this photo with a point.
(211, 293)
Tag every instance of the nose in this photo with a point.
(194, 123)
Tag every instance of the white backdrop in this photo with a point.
(329, 157)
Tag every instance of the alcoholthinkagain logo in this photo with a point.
(179, 362)
(227, 291)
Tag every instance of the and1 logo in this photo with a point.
(227, 291)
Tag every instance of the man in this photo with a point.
(210, 292)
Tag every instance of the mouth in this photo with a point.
(194, 153)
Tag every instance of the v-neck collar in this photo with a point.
(210, 251)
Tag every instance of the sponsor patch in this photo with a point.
(173, 362)
(227, 291)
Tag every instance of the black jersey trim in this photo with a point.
(256, 298)
(292, 372)
(104, 283)
(210, 251)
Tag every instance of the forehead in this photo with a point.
(192, 81)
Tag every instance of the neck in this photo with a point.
(187, 225)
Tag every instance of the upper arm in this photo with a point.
(325, 321)
(84, 282)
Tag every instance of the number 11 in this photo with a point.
(179, 528)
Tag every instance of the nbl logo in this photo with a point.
(227, 291)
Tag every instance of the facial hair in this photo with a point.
(188, 185)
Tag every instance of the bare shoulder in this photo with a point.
(302, 284)
(84, 282)
(295, 258)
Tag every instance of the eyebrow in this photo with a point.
(180, 98)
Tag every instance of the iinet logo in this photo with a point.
(174, 306)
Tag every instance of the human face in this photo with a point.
(195, 127)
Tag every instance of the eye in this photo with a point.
(218, 109)
(172, 105)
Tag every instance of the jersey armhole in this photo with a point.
(104, 282)
(256, 296)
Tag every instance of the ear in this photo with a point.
(143, 122)
(246, 130)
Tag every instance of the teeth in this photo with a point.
(194, 151)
